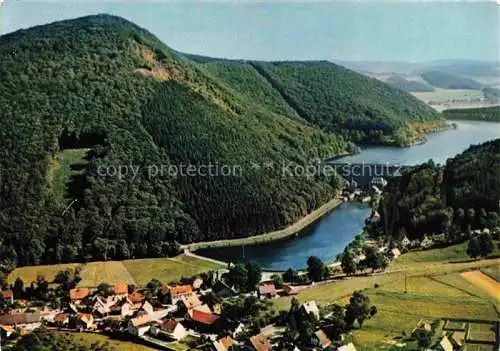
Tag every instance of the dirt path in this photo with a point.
(481, 280)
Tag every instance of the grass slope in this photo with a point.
(167, 269)
(137, 272)
(434, 290)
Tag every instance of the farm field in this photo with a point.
(434, 287)
(138, 272)
(87, 339)
(484, 282)
(167, 269)
(481, 332)
(111, 272)
(29, 273)
(443, 95)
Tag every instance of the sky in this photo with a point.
(369, 30)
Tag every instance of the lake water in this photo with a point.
(329, 235)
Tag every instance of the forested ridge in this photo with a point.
(328, 96)
(489, 114)
(450, 199)
(86, 96)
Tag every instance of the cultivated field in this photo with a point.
(167, 269)
(88, 339)
(484, 282)
(111, 272)
(481, 332)
(138, 272)
(443, 95)
(420, 285)
(29, 273)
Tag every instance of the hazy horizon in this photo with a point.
(406, 32)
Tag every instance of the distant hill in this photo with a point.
(448, 199)
(409, 86)
(466, 68)
(328, 96)
(449, 81)
(114, 146)
(490, 114)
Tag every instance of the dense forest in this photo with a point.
(409, 86)
(453, 199)
(329, 96)
(489, 114)
(445, 80)
(101, 122)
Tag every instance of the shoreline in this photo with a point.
(291, 230)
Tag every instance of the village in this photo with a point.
(205, 312)
(160, 316)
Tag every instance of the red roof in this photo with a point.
(7, 294)
(78, 293)
(260, 342)
(61, 317)
(136, 297)
(180, 290)
(267, 289)
(120, 289)
(204, 317)
(169, 325)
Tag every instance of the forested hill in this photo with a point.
(452, 199)
(329, 96)
(83, 99)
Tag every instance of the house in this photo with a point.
(147, 307)
(260, 342)
(320, 339)
(204, 320)
(267, 291)
(170, 328)
(379, 182)
(457, 339)
(84, 321)
(311, 307)
(223, 344)
(78, 294)
(136, 297)
(172, 294)
(127, 309)
(348, 347)
(197, 283)
(405, 242)
(444, 344)
(138, 326)
(8, 296)
(426, 242)
(7, 330)
(222, 290)
(423, 328)
(290, 290)
(238, 329)
(360, 258)
(22, 320)
(101, 306)
(394, 253)
(188, 302)
(120, 289)
(61, 320)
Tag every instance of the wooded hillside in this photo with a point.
(86, 98)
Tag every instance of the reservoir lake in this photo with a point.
(329, 235)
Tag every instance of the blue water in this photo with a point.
(325, 239)
(328, 237)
